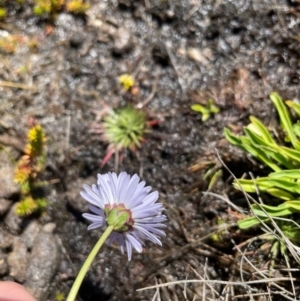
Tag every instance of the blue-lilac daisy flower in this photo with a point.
(125, 203)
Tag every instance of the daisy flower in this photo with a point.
(125, 203)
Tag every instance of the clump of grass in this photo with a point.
(29, 167)
(49, 7)
(42, 7)
(77, 6)
(3, 12)
(280, 210)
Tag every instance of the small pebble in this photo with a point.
(75, 200)
(12, 220)
(30, 233)
(8, 186)
(18, 260)
(4, 206)
(76, 40)
(122, 40)
(3, 264)
(6, 239)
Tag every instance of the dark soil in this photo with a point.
(184, 52)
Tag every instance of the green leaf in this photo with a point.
(281, 194)
(205, 116)
(292, 154)
(288, 185)
(255, 139)
(279, 188)
(285, 119)
(214, 178)
(296, 128)
(294, 204)
(266, 150)
(231, 138)
(262, 184)
(212, 107)
(258, 127)
(250, 222)
(198, 108)
(283, 208)
(294, 106)
(263, 211)
(292, 173)
(209, 173)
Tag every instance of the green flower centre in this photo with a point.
(119, 217)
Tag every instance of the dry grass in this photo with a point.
(247, 280)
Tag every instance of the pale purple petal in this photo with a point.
(148, 234)
(155, 219)
(93, 218)
(149, 199)
(105, 191)
(134, 242)
(95, 225)
(153, 229)
(143, 214)
(137, 198)
(113, 180)
(128, 248)
(113, 237)
(97, 211)
(141, 186)
(132, 186)
(121, 242)
(123, 181)
(151, 211)
(90, 196)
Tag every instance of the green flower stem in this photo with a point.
(77, 283)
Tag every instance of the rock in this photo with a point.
(7, 169)
(122, 40)
(12, 220)
(30, 233)
(234, 41)
(4, 206)
(75, 200)
(76, 39)
(3, 264)
(43, 263)
(202, 56)
(18, 260)
(66, 21)
(49, 228)
(6, 239)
